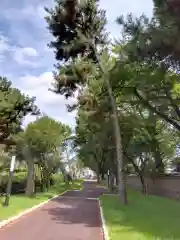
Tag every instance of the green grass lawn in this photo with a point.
(18, 203)
(144, 218)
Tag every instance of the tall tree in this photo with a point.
(41, 144)
(153, 45)
(79, 31)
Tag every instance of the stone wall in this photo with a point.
(166, 186)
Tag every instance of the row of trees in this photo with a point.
(41, 145)
(38, 148)
(128, 91)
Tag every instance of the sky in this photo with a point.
(25, 58)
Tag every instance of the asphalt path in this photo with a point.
(73, 216)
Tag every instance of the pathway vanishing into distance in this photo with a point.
(73, 216)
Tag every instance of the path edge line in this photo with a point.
(103, 222)
(16, 217)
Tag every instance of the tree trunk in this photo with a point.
(117, 133)
(140, 174)
(158, 158)
(102, 175)
(111, 182)
(98, 173)
(46, 180)
(98, 178)
(30, 185)
(119, 149)
(143, 189)
(43, 188)
(36, 177)
(102, 170)
(177, 167)
(63, 173)
(47, 183)
(108, 180)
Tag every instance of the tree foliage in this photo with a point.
(41, 144)
(45, 135)
(82, 49)
(134, 91)
(14, 106)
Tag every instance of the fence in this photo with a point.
(166, 186)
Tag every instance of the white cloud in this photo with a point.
(3, 47)
(22, 55)
(52, 104)
(39, 86)
(3, 44)
(29, 12)
(29, 52)
(25, 56)
(124, 7)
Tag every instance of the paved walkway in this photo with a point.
(74, 216)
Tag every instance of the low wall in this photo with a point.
(166, 186)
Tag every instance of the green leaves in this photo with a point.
(73, 25)
(14, 106)
(108, 63)
(176, 89)
(45, 135)
(140, 71)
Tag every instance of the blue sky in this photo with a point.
(25, 58)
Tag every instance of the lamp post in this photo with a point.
(9, 185)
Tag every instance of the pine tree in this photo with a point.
(14, 106)
(79, 33)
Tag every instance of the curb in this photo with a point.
(110, 194)
(12, 219)
(103, 223)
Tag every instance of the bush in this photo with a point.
(57, 177)
(18, 184)
(19, 181)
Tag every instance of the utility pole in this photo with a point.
(9, 185)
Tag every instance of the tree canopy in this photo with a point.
(130, 86)
(38, 146)
(41, 144)
(14, 106)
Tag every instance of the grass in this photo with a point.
(18, 203)
(144, 218)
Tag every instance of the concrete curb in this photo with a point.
(110, 194)
(103, 223)
(12, 219)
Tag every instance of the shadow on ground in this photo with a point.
(78, 207)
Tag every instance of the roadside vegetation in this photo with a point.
(128, 113)
(145, 218)
(20, 202)
(39, 172)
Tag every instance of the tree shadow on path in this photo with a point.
(78, 207)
